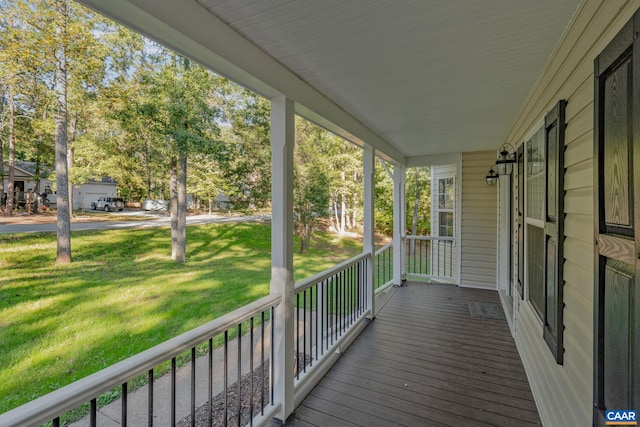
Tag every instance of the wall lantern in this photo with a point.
(492, 177)
(506, 159)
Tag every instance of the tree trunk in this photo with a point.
(2, 189)
(147, 167)
(173, 206)
(37, 189)
(342, 213)
(12, 155)
(62, 178)
(309, 232)
(181, 232)
(355, 206)
(69, 183)
(303, 242)
(70, 138)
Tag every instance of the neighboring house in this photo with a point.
(25, 178)
(223, 201)
(83, 194)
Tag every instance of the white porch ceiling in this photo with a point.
(414, 78)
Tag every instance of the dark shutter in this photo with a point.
(617, 222)
(520, 220)
(554, 230)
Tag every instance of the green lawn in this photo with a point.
(123, 294)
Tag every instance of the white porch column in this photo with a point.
(282, 283)
(399, 222)
(369, 222)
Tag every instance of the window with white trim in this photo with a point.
(446, 195)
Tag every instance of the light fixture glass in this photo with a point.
(492, 177)
(506, 159)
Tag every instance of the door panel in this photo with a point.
(618, 282)
(617, 200)
(551, 305)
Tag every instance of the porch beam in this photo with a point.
(369, 222)
(282, 282)
(399, 178)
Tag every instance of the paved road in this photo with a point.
(104, 225)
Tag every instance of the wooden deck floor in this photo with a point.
(425, 361)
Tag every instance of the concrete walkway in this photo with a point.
(138, 401)
(105, 225)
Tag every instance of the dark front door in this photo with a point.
(617, 220)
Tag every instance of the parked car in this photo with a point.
(108, 204)
(155, 205)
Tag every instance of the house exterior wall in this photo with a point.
(28, 179)
(564, 393)
(86, 193)
(478, 222)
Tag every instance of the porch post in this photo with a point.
(282, 283)
(398, 224)
(369, 223)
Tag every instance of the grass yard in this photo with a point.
(122, 294)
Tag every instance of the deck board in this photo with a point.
(426, 361)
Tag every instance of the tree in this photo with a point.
(311, 183)
(311, 200)
(344, 162)
(384, 199)
(246, 163)
(13, 60)
(175, 112)
(418, 188)
(62, 185)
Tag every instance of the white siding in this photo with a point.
(478, 222)
(563, 393)
(84, 194)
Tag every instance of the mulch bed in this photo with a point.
(260, 391)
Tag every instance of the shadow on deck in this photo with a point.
(426, 361)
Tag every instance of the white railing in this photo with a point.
(431, 257)
(249, 324)
(330, 310)
(383, 268)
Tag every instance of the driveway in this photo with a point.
(159, 221)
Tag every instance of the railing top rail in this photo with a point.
(49, 406)
(384, 248)
(444, 239)
(307, 283)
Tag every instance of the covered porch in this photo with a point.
(432, 356)
(435, 354)
(413, 84)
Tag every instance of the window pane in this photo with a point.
(535, 176)
(446, 193)
(446, 224)
(535, 255)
